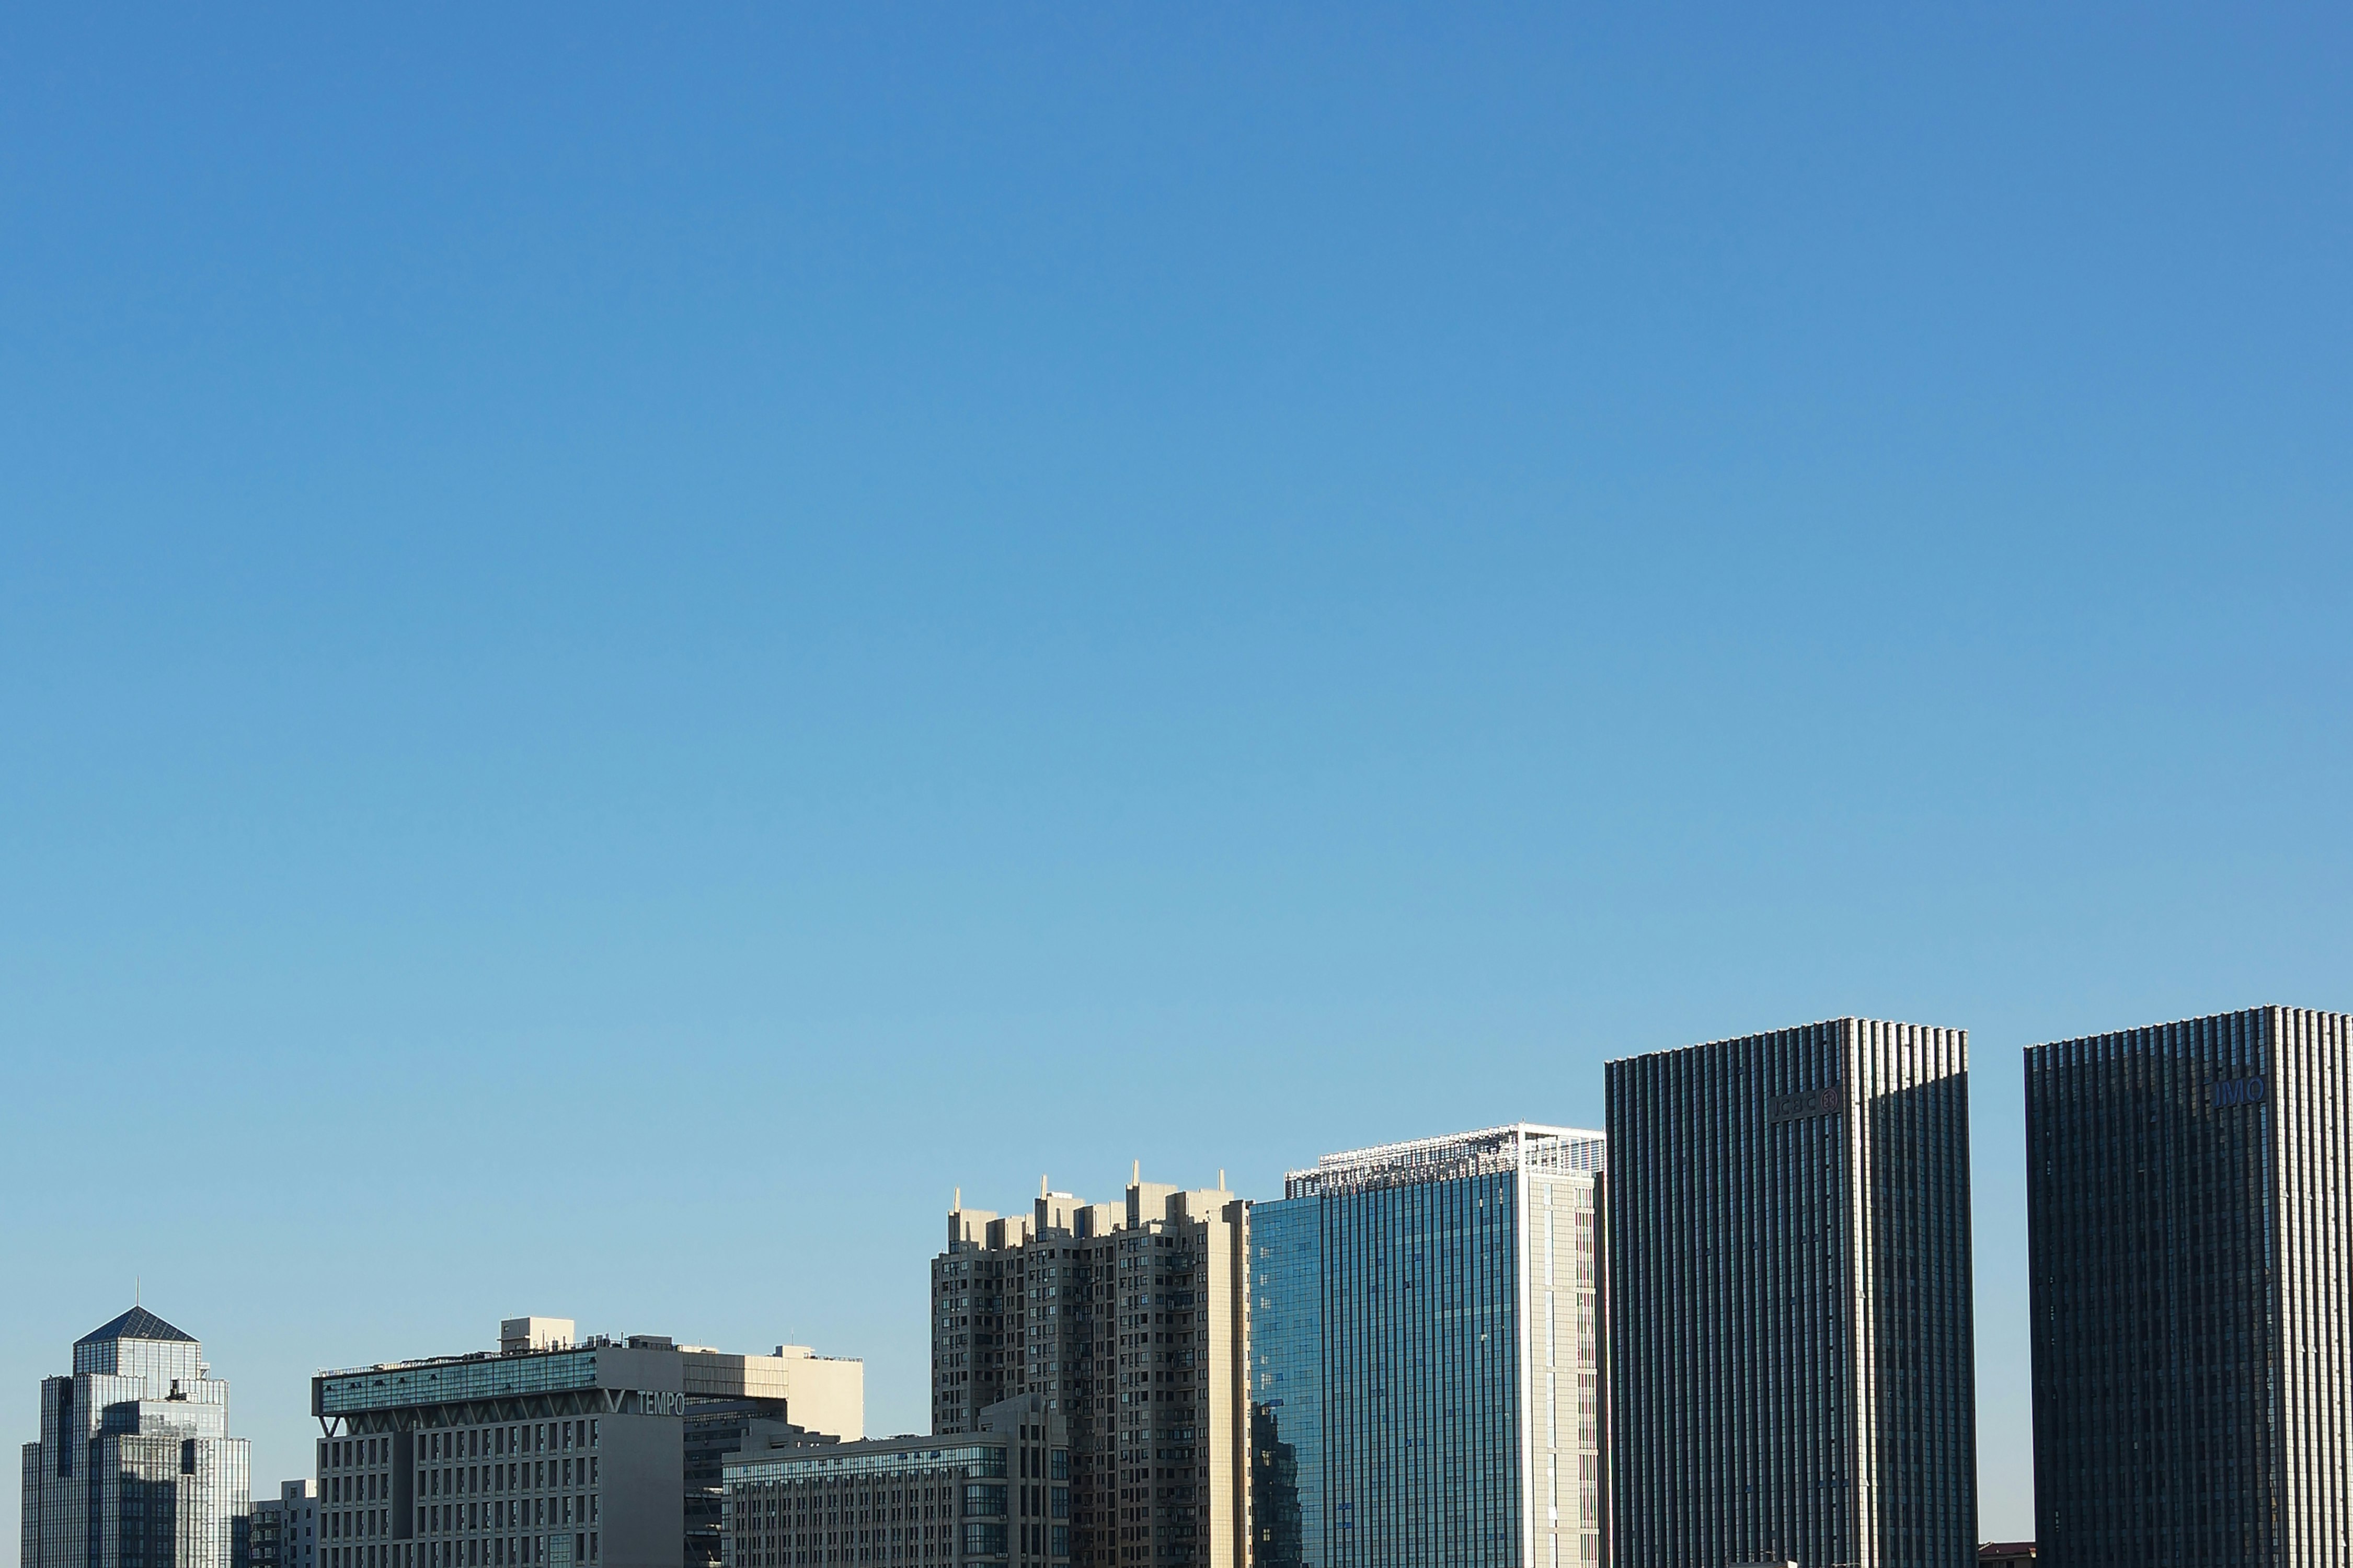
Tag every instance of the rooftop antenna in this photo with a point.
(1138, 1177)
(134, 1290)
(1221, 1178)
(1041, 1183)
(959, 1197)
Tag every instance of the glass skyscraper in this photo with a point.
(2190, 1213)
(1791, 1362)
(135, 1468)
(1425, 1347)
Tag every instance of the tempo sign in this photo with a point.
(652, 1402)
(2236, 1091)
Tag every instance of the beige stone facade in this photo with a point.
(1133, 1319)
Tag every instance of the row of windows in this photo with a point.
(515, 1476)
(372, 1452)
(479, 1551)
(521, 1513)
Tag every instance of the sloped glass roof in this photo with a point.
(138, 1323)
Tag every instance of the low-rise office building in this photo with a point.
(553, 1452)
(285, 1531)
(996, 1497)
(265, 1534)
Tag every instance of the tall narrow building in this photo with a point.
(1426, 1355)
(135, 1468)
(2190, 1213)
(1131, 1321)
(1792, 1367)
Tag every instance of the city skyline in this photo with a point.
(265, 1486)
(633, 646)
(1902, 1054)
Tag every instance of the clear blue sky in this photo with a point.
(633, 643)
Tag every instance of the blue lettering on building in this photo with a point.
(2238, 1092)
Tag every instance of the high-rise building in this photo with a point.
(552, 1451)
(1792, 1367)
(2189, 1215)
(996, 1497)
(285, 1531)
(135, 1468)
(1426, 1355)
(1132, 1322)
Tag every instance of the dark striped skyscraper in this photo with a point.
(2190, 1205)
(1792, 1373)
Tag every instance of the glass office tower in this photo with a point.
(1426, 1331)
(2190, 1212)
(135, 1468)
(1792, 1361)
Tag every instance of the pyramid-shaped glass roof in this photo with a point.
(138, 1323)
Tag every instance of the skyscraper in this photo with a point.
(2190, 1213)
(1132, 1322)
(135, 1468)
(1426, 1355)
(1792, 1370)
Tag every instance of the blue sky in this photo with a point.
(632, 644)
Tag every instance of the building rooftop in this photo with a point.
(1521, 1144)
(138, 1323)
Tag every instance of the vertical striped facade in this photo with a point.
(2189, 1202)
(1793, 1365)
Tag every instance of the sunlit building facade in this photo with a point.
(556, 1451)
(1131, 1320)
(135, 1468)
(285, 1529)
(1426, 1356)
(997, 1496)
